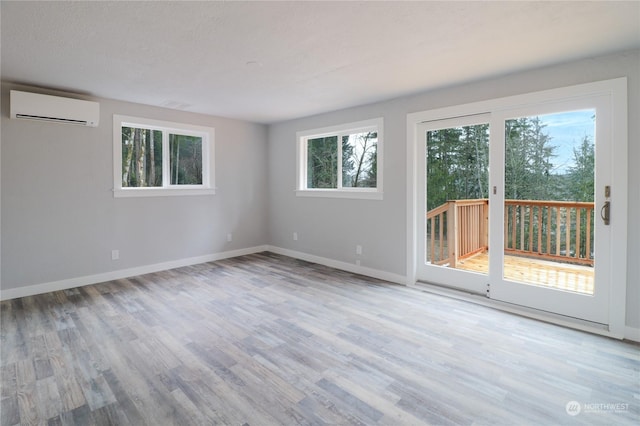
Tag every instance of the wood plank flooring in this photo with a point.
(268, 340)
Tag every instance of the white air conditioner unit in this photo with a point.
(33, 106)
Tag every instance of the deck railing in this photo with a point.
(554, 230)
(466, 221)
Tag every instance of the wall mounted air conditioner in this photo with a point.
(33, 106)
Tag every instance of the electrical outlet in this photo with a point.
(295, 236)
(115, 254)
(358, 249)
(229, 237)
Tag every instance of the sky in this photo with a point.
(567, 129)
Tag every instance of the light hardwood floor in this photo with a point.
(269, 340)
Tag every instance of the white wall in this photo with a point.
(331, 228)
(60, 220)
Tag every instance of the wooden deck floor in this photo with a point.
(545, 273)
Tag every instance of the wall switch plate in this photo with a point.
(115, 254)
(295, 236)
(229, 237)
(358, 249)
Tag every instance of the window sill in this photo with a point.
(161, 192)
(329, 193)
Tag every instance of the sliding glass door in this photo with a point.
(553, 165)
(515, 204)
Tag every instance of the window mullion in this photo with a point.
(166, 176)
(339, 167)
(304, 165)
(204, 152)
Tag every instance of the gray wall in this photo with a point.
(61, 221)
(332, 227)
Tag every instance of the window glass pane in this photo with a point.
(141, 157)
(322, 162)
(549, 199)
(359, 160)
(185, 160)
(457, 182)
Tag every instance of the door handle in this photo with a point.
(604, 212)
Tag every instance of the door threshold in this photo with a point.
(524, 311)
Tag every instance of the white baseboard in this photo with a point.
(632, 333)
(14, 293)
(344, 266)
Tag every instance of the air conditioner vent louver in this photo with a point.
(55, 120)
(33, 106)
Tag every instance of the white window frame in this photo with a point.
(167, 127)
(376, 124)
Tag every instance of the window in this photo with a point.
(157, 158)
(341, 161)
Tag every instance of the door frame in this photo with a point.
(616, 89)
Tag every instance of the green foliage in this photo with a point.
(457, 168)
(360, 160)
(141, 157)
(322, 162)
(185, 160)
(528, 166)
(457, 164)
(581, 173)
(371, 180)
(359, 155)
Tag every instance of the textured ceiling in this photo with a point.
(272, 61)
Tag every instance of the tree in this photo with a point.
(185, 159)
(457, 164)
(371, 180)
(141, 157)
(322, 162)
(581, 173)
(515, 177)
(440, 179)
(472, 154)
(359, 158)
(581, 184)
(528, 165)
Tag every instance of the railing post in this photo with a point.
(431, 257)
(588, 235)
(452, 233)
(484, 224)
(441, 234)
